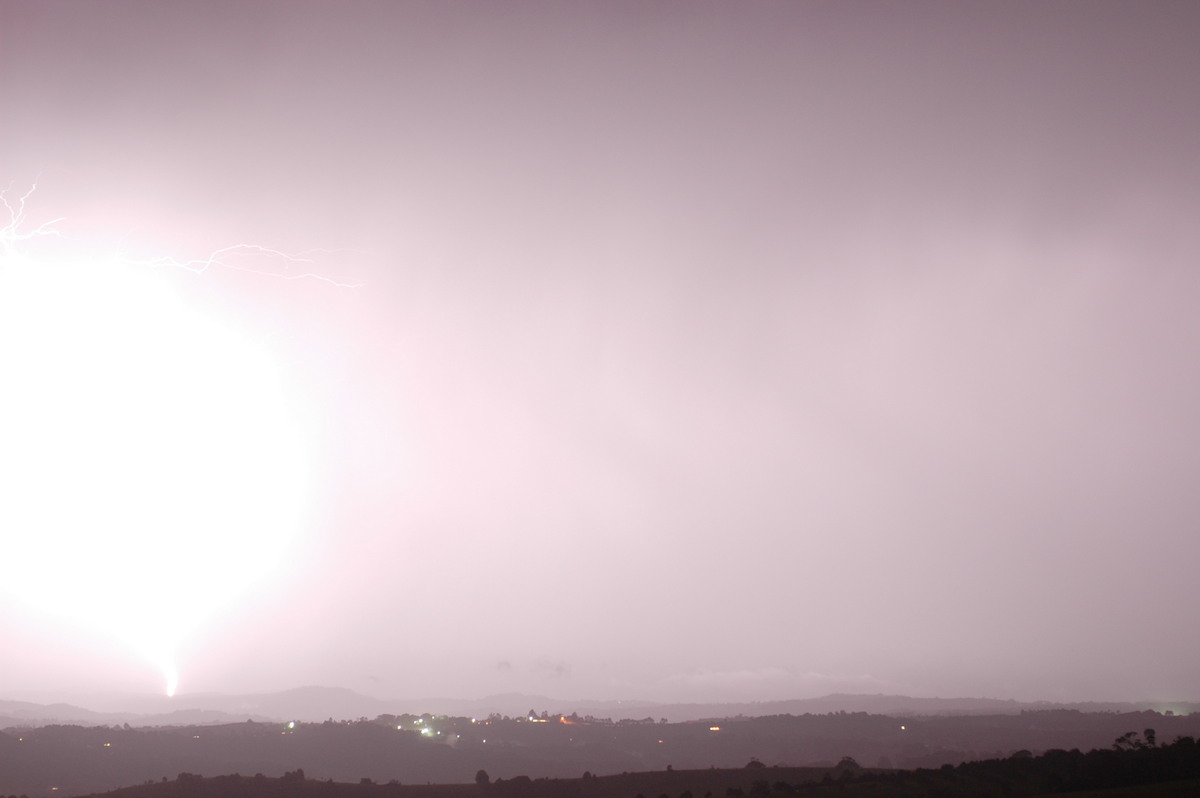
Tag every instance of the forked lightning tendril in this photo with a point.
(13, 233)
(219, 258)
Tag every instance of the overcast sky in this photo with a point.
(665, 350)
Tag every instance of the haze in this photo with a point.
(695, 351)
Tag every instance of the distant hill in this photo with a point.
(901, 705)
(321, 703)
(26, 714)
(19, 713)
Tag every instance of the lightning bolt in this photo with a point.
(30, 249)
(13, 233)
(221, 258)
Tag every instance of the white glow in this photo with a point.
(150, 466)
(172, 678)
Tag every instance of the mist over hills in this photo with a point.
(315, 703)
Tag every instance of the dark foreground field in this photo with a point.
(569, 757)
(58, 760)
(1134, 767)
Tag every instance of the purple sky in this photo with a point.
(699, 350)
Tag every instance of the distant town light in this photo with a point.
(714, 728)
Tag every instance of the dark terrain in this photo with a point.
(1136, 766)
(415, 750)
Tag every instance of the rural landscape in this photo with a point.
(944, 749)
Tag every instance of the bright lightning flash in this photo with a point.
(151, 466)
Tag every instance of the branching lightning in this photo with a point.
(12, 234)
(221, 258)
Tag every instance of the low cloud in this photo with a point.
(551, 669)
(768, 683)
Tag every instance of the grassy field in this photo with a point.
(1169, 789)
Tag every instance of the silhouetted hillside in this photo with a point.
(1136, 764)
(442, 749)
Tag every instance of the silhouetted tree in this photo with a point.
(482, 778)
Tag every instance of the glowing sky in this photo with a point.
(702, 350)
